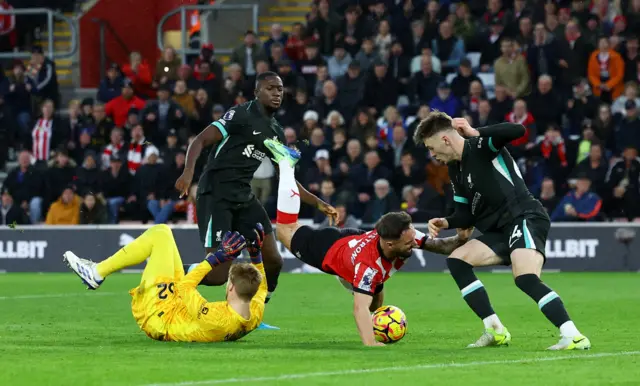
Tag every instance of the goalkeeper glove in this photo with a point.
(232, 244)
(255, 246)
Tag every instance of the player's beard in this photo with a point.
(405, 254)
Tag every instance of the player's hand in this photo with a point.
(255, 247)
(184, 182)
(436, 225)
(329, 211)
(232, 244)
(464, 234)
(464, 128)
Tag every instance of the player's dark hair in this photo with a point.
(264, 76)
(391, 225)
(434, 123)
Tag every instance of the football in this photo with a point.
(389, 324)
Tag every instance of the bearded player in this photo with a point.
(225, 201)
(490, 194)
(365, 260)
(167, 306)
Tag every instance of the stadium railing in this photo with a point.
(51, 16)
(221, 25)
(570, 247)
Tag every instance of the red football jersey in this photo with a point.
(358, 260)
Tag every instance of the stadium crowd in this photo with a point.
(358, 79)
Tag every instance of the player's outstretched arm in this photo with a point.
(501, 134)
(361, 304)
(311, 199)
(232, 244)
(445, 246)
(211, 135)
(255, 254)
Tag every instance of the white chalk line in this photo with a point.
(285, 377)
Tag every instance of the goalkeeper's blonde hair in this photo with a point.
(246, 279)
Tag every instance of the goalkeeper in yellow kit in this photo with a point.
(166, 304)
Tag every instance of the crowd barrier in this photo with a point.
(570, 247)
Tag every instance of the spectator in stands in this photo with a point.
(167, 67)
(61, 173)
(276, 54)
(248, 53)
(407, 173)
(448, 48)
(631, 57)
(353, 158)
(319, 171)
(553, 152)
(207, 55)
(153, 188)
(576, 50)
(46, 134)
(460, 84)
(432, 19)
(524, 36)
(92, 211)
(381, 90)
(353, 29)
(308, 66)
(185, 74)
(390, 118)
(383, 39)
(363, 124)
(367, 54)
(11, 214)
(339, 145)
(83, 148)
(327, 194)
(338, 64)
(275, 36)
(8, 33)
(351, 89)
(111, 86)
(290, 80)
(43, 72)
(293, 109)
(580, 204)
(522, 116)
(630, 93)
(424, 84)
(139, 148)
(27, 187)
(623, 185)
(545, 103)
(66, 209)
(72, 125)
(364, 175)
(472, 98)
(604, 126)
(399, 67)
(384, 201)
(606, 72)
(290, 136)
(321, 77)
(323, 27)
(185, 100)
(501, 104)
(595, 166)
(511, 70)
(86, 108)
(581, 106)
(139, 73)
(159, 116)
(175, 167)
(118, 108)
(234, 84)
(628, 130)
(19, 97)
(101, 125)
(213, 85)
(87, 179)
(294, 46)
(116, 146)
(491, 45)
(548, 196)
(171, 148)
(115, 186)
(543, 56)
(334, 122)
(444, 101)
(329, 100)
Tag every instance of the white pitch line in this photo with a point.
(285, 377)
(44, 296)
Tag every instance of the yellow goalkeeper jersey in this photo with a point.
(193, 319)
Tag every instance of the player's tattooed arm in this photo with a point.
(446, 245)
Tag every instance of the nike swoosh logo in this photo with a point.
(578, 341)
(257, 132)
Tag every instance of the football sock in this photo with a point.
(133, 253)
(288, 195)
(474, 293)
(548, 301)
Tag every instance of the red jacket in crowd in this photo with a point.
(141, 78)
(118, 108)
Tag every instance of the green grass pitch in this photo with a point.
(53, 332)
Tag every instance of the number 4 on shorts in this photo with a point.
(515, 236)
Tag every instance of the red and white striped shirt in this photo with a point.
(137, 152)
(41, 138)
